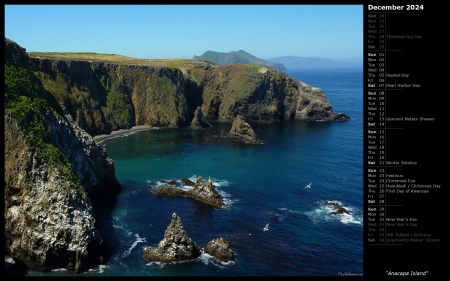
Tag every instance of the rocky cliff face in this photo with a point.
(263, 95)
(102, 97)
(53, 171)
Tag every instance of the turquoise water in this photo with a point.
(261, 184)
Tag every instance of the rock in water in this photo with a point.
(220, 250)
(197, 122)
(203, 191)
(338, 209)
(242, 131)
(175, 247)
(206, 192)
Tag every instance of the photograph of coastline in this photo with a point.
(184, 140)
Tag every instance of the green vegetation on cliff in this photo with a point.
(54, 171)
(118, 59)
(104, 92)
(28, 102)
(244, 79)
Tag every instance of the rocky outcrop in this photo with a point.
(53, 172)
(243, 132)
(203, 191)
(105, 96)
(338, 209)
(263, 95)
(169, 190)
(176, 246)
(220, 249)
(206, 192)
(197, 123)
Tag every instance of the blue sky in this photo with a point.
(182, 31)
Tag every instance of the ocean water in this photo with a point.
(263, 184)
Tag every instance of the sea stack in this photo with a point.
(176, 246)
(197, 122)
(242, 131)
(206, 192)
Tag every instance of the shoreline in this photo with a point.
(122, 132)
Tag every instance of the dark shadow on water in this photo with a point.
(103, 209)
(14, 269)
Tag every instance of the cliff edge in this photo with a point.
(103, 93)
(53, 171)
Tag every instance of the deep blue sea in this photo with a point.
(263, 184)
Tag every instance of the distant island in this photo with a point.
(293, 62)
(237, 57)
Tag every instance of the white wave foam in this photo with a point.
(323, 214)
(99, 269)
(156, 263)
(193, 178)
(207, 258)
(138, 240)
(346, 219)
(218, 183)
(116, 258)
(120, 215)
(9, 260)
(227, 199)
(283, 214)
(127, 231)
(59, 269)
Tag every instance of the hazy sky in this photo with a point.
(182, 31)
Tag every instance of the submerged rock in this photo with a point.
(242, 131)
(338, 209)
(176, 246)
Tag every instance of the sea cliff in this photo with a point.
(53, 172)
(103, 94)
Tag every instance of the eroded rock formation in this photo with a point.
(203, 191)
(197, 123)
(176, 246)
(243, 132)
(220, 249)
